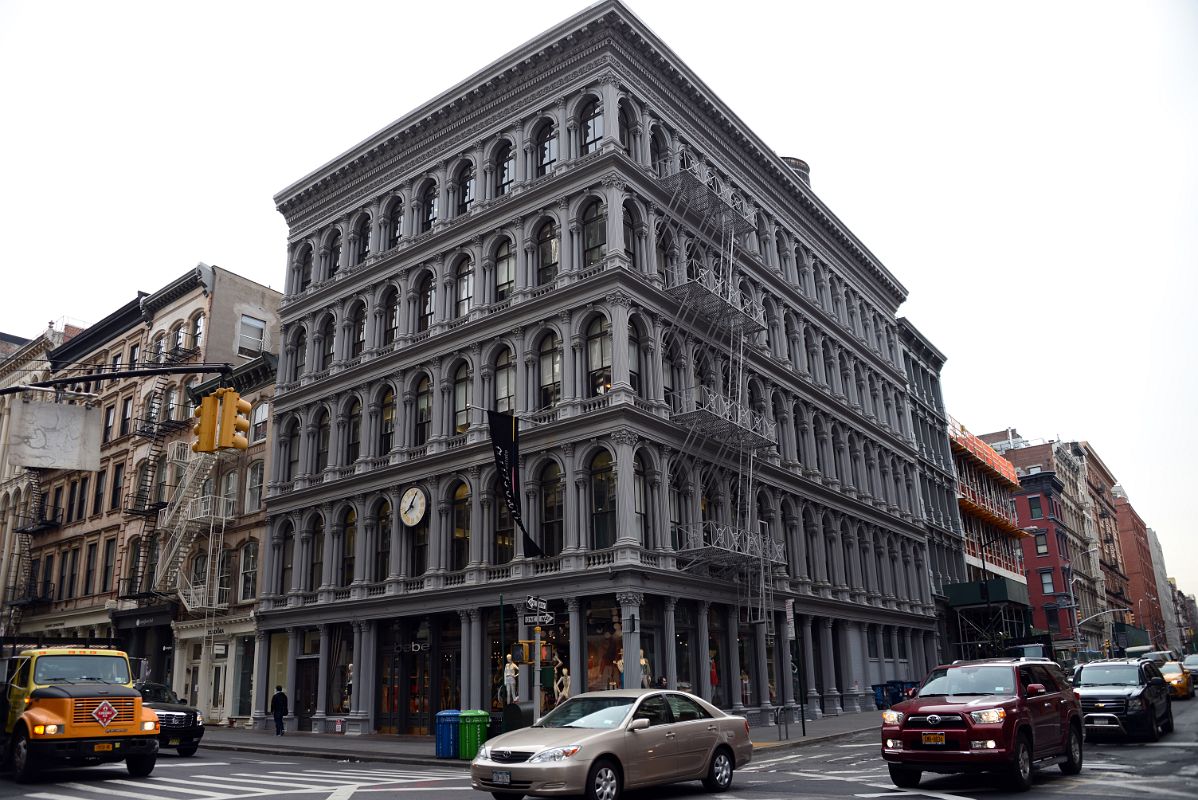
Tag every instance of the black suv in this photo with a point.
(181, 726)
(1124, 696)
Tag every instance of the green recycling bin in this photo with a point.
(472, 733)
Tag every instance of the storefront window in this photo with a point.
(684, 655)
(717, 631)
(605, 646)
(341, 669)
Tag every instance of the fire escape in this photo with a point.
(26, 590)
(722, 429)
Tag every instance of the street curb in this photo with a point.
(389, 758)
(807, 741)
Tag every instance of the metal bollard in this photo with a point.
(781, 720)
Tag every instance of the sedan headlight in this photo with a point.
(892, 717)
(483, 753)
(149, 726)
(989, 716)
(556, 754)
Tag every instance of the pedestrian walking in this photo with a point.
(278, 707)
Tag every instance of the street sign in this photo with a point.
(534, 604)
(543, 618)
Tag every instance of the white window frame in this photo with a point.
(251, 336)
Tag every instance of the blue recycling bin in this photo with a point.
(880, 701)
(447, 733)
(909, 686)
(894, 691)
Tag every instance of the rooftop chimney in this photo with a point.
(800, 168)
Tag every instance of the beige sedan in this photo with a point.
(599, 743)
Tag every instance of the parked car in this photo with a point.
(181, 726)
(1004, 715)
(1159, 657)
(1180, 679)
(1190, 662)
(1124, 696)
(599, 743)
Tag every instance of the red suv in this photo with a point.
(998, 715)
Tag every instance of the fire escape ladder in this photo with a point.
(185, 516)
(24, 585)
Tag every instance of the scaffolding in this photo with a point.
(722, 429)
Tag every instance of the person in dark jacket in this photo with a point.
(278, 707)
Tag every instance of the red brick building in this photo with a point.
(1140, 570)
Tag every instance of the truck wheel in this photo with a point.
(904, 778)
(140, 766)
(188, 750)
(24, 763)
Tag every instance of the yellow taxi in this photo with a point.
(1181, 680)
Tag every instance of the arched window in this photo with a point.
(349, 544)
(386, 423)
(634, 360)
(465, 189)
(322, 441)
(328, 341)
(316, 565)
(625, 132)
(395, 223)
(248, 571)
(259, 422)
(390, 316)
(629, 224)
(552, 510)
(293, 452)
(590, 127)
(253, 487)
(199, 569)
(546, 147)
(362, 234)
(380, 567)
(357, 342)
(189, 406)
(424, 412)
(639, 499)
(418, 549)
(464, 287)
(353, 433)
(334, 252)
(603, 502)
(305, 269)
(505, 382)
(547, 254)
(503, 548)
(505, 168)
(197, 331)
(505, 271)
(427, 300)
(550, 370)
(461, 399)
(287, 557)
(658, 155)
(598, 357)
(228, 490)
(170, 404)
(301, 355)
(594, 234)
(428, 208)
(459, 545)
(178, 338)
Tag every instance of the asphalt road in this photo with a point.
(850, 768)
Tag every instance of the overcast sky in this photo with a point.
(1028, 170)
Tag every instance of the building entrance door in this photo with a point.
(307, 677)
(405, 678)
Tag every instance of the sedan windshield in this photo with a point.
(969, 680)
(1172, 668)
(589, 712)
(1109, 675)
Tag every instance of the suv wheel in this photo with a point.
(904, 778)
(1020, 775)
(1167, 725)
(1154, 727)
(1072, 764)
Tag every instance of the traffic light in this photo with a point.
(234, 424)
(205, 427)
(520, 653)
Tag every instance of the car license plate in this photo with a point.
(173, 743)
(103, 748)
(933, 738)
(501, 777)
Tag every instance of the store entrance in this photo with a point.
(307, 676)
(405, 678)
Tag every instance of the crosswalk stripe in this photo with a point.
(52, 796)
(246, 779)
(249, 791)
(144, 783)
(100, 787)
(310, 778)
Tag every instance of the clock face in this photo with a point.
(412, 506)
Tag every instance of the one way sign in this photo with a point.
(543, 618)
(534, 604)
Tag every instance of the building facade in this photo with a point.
(937, 481)
(1165, 592)
(717, 468)
(1146, 613)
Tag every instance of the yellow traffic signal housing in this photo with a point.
(234, 420)
(205, 427)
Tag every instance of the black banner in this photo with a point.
(505, 441)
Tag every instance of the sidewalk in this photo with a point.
(421, 750)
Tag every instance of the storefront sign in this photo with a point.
(52, 625)
(411, 647)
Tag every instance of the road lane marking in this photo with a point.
(143, 783)
(344, 793)
(99, 788)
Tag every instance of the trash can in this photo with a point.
(880, 696)
(894, 691)
(909, 688)
(517, 716)
(447, 733)
(473, 733)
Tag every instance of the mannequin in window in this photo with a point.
(561, 687)
(618, 681)
(646, 672)
(511, 673)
